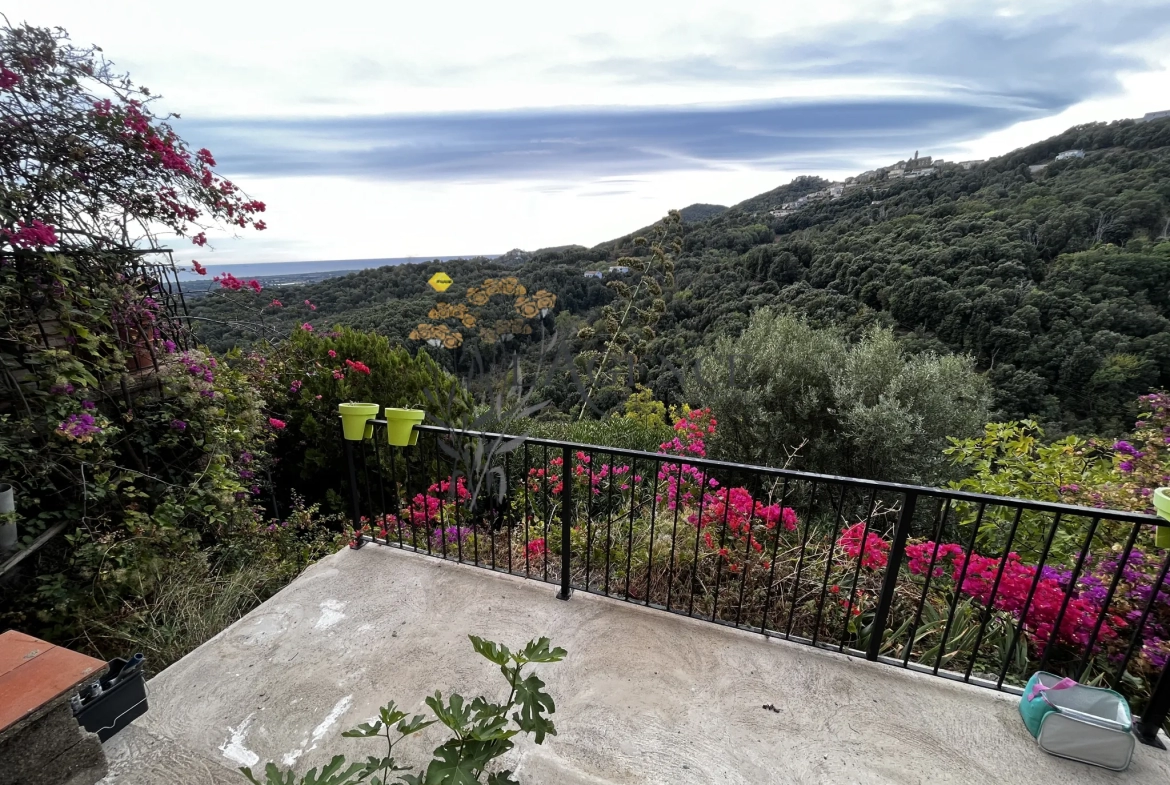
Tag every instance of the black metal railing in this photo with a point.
(976, 588)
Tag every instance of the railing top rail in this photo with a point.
(945, 493)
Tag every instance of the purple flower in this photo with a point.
(61, 389)
(245, 457)
(170, 346)
(87, 405)
(1124, 447)
(1125, 466)
(178, 425)
(246, 475)
(79, 428)
(449, 535)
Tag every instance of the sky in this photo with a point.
(393, 129)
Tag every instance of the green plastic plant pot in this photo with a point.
(1162, 505)
(354, 416)
(400, 424)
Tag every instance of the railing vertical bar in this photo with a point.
(673, 537)
(829, 564)
(524, 478)
(381, 485)
(941, 520)
(857, 569)
(719, 556)
(509, 515)
(546, 517)
(650, 544)
(437, 468)
(743, 571)
(589, 523)
(1028, 602)
(394, 492)
(1141, 625)
(630, 531)
(1156, 710)
(1072, 585)
(958, 588)
(990, 607)
(775, 550)
(366, 475)
(808, 513)
(609, 526)
(698, 532)
(354, 497)
(567, 514)
(1105, 605)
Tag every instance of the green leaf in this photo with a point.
(538, 651)
(497, 653)
(502, 778)
(331, 774)
(535, 704)
(273, 776)
(454, 715)
(414, 726)
(390, 713)
(457, 762)
(365, 730)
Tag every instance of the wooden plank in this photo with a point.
(16, 649)
(41, 678)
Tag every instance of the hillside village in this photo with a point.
(909, 169)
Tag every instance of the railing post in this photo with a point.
(1154, 717)
(890, 582)
(566, 521)
(354, 498)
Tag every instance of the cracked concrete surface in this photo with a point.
(644, 696)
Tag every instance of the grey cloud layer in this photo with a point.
(981, 74)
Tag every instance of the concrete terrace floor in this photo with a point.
(644, 696)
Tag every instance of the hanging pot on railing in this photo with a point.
(1162, 505)
(400, 424)
(354, 420)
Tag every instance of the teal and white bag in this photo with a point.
(1086, 724)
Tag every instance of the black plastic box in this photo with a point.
(113, 710)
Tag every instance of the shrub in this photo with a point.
(866, 409)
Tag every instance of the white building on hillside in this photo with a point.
(1070, 154)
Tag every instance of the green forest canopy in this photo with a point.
(1056, 282)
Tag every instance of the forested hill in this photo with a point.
(1056, 280)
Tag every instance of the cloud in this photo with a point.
(1043, 60)
(477, 146)
(919, 83)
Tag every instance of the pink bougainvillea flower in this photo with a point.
(307, 327)
(34, 235)
(200, 239)
(311, 306)
(332, 353)
(8, 79)
(198, 268)
(277, 424)
(358, 366)
(276, 304)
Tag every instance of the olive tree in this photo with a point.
(868, 409)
